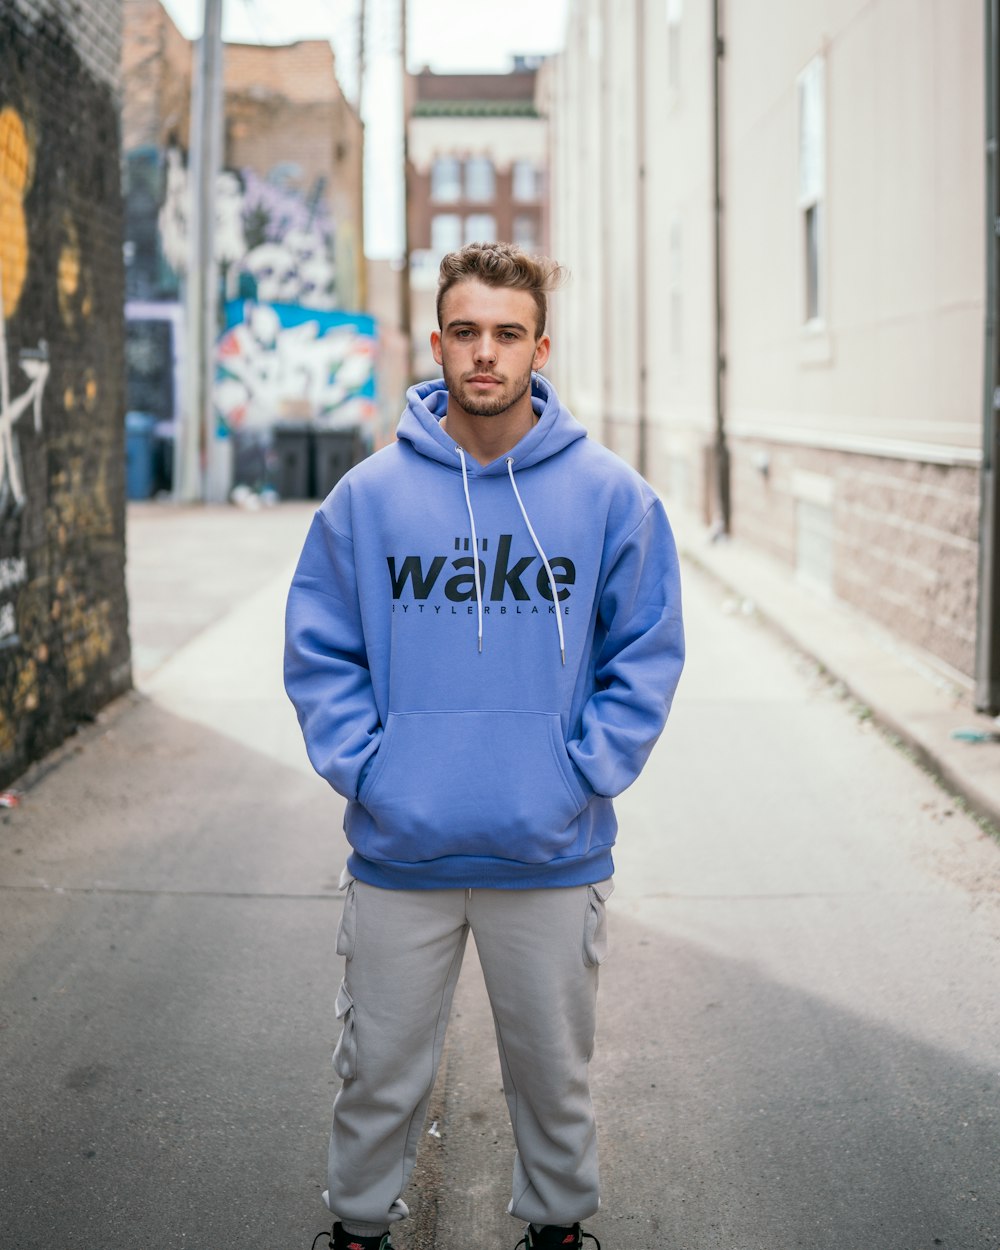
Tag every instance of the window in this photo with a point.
(812, 221)
(675, 10)
(446, 233)
(812, 185)
(480, 228)
(446, 180)
(525, 231)
(480, 180)
(525, 182)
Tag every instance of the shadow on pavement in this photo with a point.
(166, 979)
(740, 1114)
(169, 907)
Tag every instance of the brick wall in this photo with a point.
(64, 647)
(156, 78)
(908, 549)
(422, 208)
(903, 536)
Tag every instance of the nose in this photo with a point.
(486, 349)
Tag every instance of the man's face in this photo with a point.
(487, 346)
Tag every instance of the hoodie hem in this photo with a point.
(462, 872)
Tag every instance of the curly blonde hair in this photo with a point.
(501, 264)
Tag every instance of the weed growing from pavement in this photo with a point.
(864, 715)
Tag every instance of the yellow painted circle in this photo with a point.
(14, 153)
(15, 163)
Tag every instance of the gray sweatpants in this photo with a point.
(539, 951)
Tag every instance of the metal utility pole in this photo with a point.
(642, 448)
(405, 311)
(201, 285)
(605, 203)
(362, 54)
(988, 625)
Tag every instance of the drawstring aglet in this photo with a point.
(480, 646)
(563, 654)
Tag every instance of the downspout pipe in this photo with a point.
(722, 488)
(607, 259)
(987, 691)
(642, 433)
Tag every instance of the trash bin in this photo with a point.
(139, 428)
(337, 450)
(293, 454)
(253, 459)
(164, 435)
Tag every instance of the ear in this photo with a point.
(542, 348)
(436, 346)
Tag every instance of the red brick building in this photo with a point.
(478, 161)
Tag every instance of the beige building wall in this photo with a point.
(852, 387)
(679, 255)
(639, 250)
(903, 253)
(578, 198)
(855, 435)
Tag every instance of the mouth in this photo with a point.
(484, 379)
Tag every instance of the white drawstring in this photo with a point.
(475, 544)
(545, 559)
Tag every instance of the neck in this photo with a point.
(486, 439)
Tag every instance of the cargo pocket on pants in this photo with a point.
(345, 1055)
(595, 932)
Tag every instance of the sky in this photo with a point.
(447, 35)
(450, 36)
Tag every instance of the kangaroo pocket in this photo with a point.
(471, 783)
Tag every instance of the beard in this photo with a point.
(507, 395)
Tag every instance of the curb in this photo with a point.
(911, 702)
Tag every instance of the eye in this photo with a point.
(463, 334)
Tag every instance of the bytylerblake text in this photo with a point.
(503, 610)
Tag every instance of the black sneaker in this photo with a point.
(556, 1237)
(339, 1240)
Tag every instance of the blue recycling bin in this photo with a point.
(139, 428)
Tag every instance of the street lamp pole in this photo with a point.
(201, 287)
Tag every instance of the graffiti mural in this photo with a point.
(15, 177)
(64, 648)
(266, 232)
(277, 361)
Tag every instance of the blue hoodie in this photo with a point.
(433, 693)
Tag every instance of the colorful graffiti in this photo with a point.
(15, 180)
(266, 232)
(63, 619)
(278, 361)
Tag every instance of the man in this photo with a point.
(483, 642)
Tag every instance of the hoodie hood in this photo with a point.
(427, 403)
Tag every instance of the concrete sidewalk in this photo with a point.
(904, 695)
(188, 567)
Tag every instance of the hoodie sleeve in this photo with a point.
(326, 664)
(639, 661)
